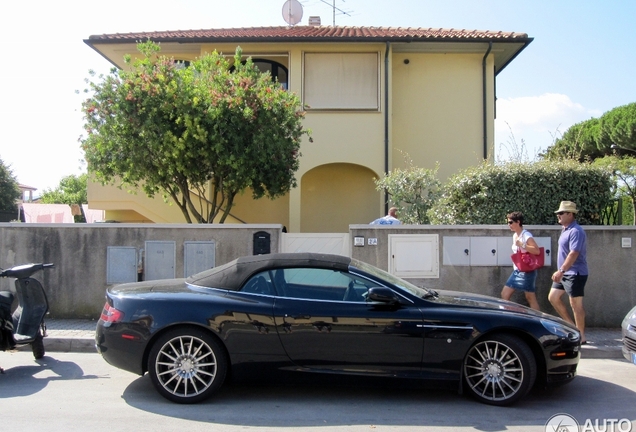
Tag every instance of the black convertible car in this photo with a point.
(329, 314)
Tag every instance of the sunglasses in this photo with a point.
(561, 213)
(511, 222)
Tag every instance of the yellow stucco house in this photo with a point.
(371, 94)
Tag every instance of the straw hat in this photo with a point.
(567, 206)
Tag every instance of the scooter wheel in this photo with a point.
(37, 346)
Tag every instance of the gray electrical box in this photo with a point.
(456, 251)
(485, 251)
(414, 255)
(546, 243)
(121, 264)
(471, 251)
(160, 260)
(504, 246)
(505, 250)
(198, 256)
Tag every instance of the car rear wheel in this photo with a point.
(499, 370)
(187, 365)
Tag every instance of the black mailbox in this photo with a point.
(261, 241)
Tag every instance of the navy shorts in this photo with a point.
(523, 281)
(574, 285)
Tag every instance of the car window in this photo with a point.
(398, 282)
(323, 284)
(260, 283)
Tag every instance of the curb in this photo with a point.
(592, 352)
(80, 345)
(57, 344)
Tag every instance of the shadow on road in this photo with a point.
(30, 379)
(324, 403)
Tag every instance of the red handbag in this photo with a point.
(526, 262)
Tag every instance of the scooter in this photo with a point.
(26, 325)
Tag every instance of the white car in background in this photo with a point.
(629, 336)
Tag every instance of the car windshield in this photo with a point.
(394, 280)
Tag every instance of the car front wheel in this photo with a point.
(187, 365)
(499, 370)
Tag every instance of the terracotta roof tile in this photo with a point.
(309, 33)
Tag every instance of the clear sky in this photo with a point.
(581, 63)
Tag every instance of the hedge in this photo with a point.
(484, 194)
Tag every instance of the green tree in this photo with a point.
(199, 134)
(580, 142)
(71, 190)
(593, 138)
(9, 190)
(412, 190)
(618, 127)
(623, 170)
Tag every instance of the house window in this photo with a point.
(276, 70)
(346, 81)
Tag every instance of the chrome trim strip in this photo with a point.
(442, 326)
(225, 290)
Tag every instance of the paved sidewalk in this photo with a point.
(68, 335)
(79, 336)
(603, 343)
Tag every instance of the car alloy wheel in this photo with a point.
(499, 370)
(187, 365)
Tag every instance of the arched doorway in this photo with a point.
(336, 195)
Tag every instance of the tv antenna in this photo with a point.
(292, 12)
(334, 9)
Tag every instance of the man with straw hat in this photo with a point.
(572, 273)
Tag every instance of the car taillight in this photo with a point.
(110, 314)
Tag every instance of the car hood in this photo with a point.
(479, 301)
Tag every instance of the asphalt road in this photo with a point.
(81, 392)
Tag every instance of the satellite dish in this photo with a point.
(292, 12)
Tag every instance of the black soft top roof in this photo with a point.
(233, 274)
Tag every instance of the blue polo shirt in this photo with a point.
(573, 238)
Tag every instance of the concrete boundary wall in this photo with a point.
(76, 286)
(609, 294)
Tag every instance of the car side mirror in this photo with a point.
(383, 295)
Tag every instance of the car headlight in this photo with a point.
(560, 330)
